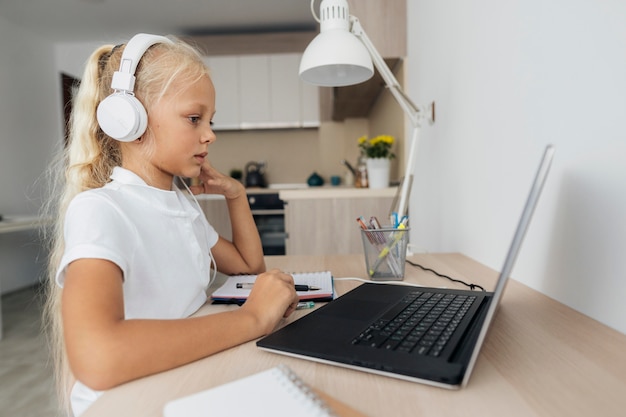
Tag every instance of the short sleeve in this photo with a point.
(96, 228)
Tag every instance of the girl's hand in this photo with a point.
(214, 182)
(272, 298)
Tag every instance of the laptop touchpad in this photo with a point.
(354, 309)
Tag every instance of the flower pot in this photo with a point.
(378, 172)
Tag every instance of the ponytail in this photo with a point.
(86, 163)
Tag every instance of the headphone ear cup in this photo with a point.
(122, 117)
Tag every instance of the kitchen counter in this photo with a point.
(336, 192)
(250, 190)
(306, 192)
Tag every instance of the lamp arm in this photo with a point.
(415, 113)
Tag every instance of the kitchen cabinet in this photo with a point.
(224, 74)
(262, 91)
(255, 99)
(324, 222)
(285, 81)
(309, 102)
(216, 212)
(384, 22)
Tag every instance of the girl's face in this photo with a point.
(181, 131)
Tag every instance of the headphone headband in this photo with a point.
(124, 78)
(121, 115)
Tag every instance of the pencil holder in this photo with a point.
(385, 253)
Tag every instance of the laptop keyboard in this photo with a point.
(421, 322)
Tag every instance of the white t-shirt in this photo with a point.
(158, 238)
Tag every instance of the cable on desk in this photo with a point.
(410, 284)
(471, 286)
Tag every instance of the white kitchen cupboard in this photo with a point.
(309, 103)
(225, 77)
(285, 97)
(262, 92)
(322, 226)
(255, 91)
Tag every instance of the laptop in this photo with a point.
(369, 328)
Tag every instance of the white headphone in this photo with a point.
(121, 115)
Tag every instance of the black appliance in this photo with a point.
(255, 176)
(269, 215)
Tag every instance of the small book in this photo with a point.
(276, 392)
(237, 288)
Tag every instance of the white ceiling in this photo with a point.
(85, 20)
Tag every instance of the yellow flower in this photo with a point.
(377, 147)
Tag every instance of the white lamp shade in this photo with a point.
(335, 57)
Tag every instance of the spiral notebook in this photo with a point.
(276, 392)
(321, 280)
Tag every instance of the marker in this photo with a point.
(394, 220)
(305, 305)
(249, 285)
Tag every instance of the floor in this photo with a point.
(26, 386)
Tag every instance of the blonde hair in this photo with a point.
(90, 156)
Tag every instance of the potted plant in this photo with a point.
(378, 152)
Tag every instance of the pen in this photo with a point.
(377, 239)
(375, 224)
(305, 304)
(306, 288)
(248, 286)
(361, 221)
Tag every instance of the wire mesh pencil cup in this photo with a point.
(385, 253)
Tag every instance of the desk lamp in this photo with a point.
(341, 55)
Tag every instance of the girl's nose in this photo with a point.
(208, 135)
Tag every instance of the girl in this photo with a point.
(131, 254)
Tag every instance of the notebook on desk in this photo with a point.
(374, 328)
(311, 286)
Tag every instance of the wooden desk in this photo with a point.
(540, 358)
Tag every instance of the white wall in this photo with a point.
(30, 131)
(30, 117)
(509, 78)
(71, 57)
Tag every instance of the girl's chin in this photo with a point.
(191, 173)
